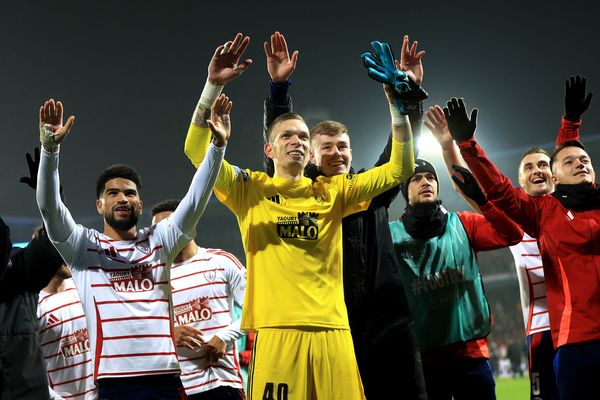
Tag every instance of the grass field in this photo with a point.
(512, 389)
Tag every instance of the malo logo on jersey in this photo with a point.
(75, 343)
(137, 279)
(193, 311)
(303, 227)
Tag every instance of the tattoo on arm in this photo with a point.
(200, 116)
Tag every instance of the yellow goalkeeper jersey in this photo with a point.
(292, 235)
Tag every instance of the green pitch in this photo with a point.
(512, 389)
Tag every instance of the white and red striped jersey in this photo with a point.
(532, 284)
(65, 344)
(125, 290)
(204, 290)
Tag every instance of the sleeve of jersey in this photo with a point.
(517, 204)
(62, 230)
(569, 130)
(490, 231)
(236, 276)
(192, 206)
(196, 143)
(362, 187)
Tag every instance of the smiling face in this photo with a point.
(535, 176)
(332, 153)
(422, 188)
(120, 204)
(572, 166)
(289, 148)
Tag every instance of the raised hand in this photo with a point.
(215, 348)
(33, 164)
(576, 101)
(438, 126)
(460, 126)
(381, 67)
(410, 60)
(469, 185)
(52, 130)
(279, 64)
(188, 336)
(225, 64)
(219, 122)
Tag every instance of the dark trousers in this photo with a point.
(577, 369)
(541, 366)
(147, 387)
(219, 393)
(467, 379)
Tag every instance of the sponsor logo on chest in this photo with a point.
(74, 344)
(193, 311)
(138, 279)
(302, 227)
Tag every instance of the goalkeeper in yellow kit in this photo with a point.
(292, 235)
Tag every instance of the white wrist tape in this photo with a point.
(48, 138)
(209, 94)
(397, 118)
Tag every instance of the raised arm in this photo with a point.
(576, 104)
(224, 66)
(57, 218)
(280, 67)
(519, 206)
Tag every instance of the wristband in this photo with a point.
(397, 117)
(209, 94)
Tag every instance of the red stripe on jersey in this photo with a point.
(52, 356)
(530, 255)
(170, 353)
(539, 283)
(133, 301)
(208, 298)
(534, 268)
(72, 380)
(181, 359)
(198, 272)
(147, 255)
(201, 285)
(136, 336)
(539, 298)
(99, 338)
(109, 285)
(157, 372)
(69, 366)
(62, 322)
(221, 312)
(53, 294)
(540, 312)
(528, 240)
(228, 255)
(214, 327)
(97, 267)
(131, 318)
(78, 394)
(57, 308)
(99, 251)
(202, 384)
(55, 340)
(191, 262)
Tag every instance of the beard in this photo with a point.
(64, 272)
(122, 224)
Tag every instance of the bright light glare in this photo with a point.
(428, 146)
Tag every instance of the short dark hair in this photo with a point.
(281, 118)
(535, 150)
(165, 205)
(328, 128)
(118, 171)
(563, 145)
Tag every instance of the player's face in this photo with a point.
(290, 145)
(422, 188)
(573, 166)
(120, 204)
(535, 176)
(332, 154)
(160, 216)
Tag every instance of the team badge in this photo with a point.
(210, 275)
(144, 247)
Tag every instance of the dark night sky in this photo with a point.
(132, 72)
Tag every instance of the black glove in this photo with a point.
(33, 164)
(576, 102)
(460, 126)
(469, 185)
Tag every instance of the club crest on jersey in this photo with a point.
(193, 311)
(144, 247)
(210, 276)
(138, 279)
(75, 343)
(302, 227)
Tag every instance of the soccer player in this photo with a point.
(64, 339)
(384, 341)
(205, 284)
(564, 223)
(437, 251)
(291, 230)
(122, 273)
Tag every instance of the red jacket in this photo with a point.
(569, 243)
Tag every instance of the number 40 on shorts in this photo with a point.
(269, 393)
